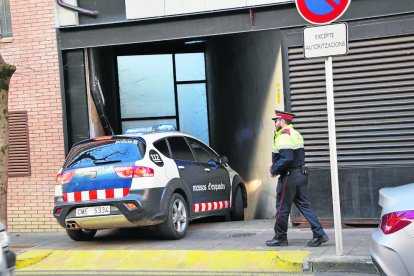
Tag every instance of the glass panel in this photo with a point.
(203, 154)
(190, 67)
(192, 109)
(5, 20)
(180, 149)
(146, 123)
(106, 151)
(161, 145)
(146, 86)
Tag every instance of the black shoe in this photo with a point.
(275, 242)
(315, 242)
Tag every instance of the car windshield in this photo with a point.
(105, 152)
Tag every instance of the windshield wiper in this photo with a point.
(106, 161)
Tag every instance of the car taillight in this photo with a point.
(396, 221)
(64, 177)
(133, 171)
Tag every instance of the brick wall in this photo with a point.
(35, 87)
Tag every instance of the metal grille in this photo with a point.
(19, 157)
(374, 103)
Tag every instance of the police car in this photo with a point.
(164, 178)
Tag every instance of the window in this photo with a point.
(192, 110)
(5, 19)
(203, 154)
(180, 149)
(190, 67)
(105, 152)
(146, 85)
(164, 89)
(162, 146)
(192, 95)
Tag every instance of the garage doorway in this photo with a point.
(164, 89)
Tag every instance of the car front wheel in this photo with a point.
(176, 224)
(81, 235)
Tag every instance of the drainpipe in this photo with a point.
(77, 9)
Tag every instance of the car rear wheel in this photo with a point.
(237, 213)
(176, 224)
(81, 235)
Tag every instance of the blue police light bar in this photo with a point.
(163, 127)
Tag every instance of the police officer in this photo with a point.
(288, 160)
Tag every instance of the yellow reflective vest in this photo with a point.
(288, 149)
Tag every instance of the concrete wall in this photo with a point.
(35, 87)
(150, 8)
(244, 87)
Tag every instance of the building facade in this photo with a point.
(28, 41)
(218, 70)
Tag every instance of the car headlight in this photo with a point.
(4, 239)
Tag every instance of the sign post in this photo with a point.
(333, 157)
(327, 41)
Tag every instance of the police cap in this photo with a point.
(283, 115)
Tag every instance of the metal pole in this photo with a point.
(333, 157)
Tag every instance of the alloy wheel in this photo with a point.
(179, 216)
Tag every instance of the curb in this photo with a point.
(173, 260)
(350, 264)
(31, 257)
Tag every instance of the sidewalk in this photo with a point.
(214, 246)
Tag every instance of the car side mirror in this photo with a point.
(223, 160)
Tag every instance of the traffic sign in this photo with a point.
(325, 41)
(321, 11)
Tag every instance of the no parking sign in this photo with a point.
(321, 11)
(326, 41)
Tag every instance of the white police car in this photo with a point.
(164, 178)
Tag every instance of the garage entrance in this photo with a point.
(223, 91)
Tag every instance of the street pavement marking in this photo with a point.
(163, 273)
(164, 260)
(31, 257)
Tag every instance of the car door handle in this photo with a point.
(181, 167)
(207, 170)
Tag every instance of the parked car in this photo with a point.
(393, 241)
(164, 178)
(7, 258)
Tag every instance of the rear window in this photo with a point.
(105, 152)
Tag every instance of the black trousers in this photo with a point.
(293, 188)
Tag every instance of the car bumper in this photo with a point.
(148, 211)
(386, 252)
(8, 263)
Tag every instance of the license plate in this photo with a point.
(93, 211)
